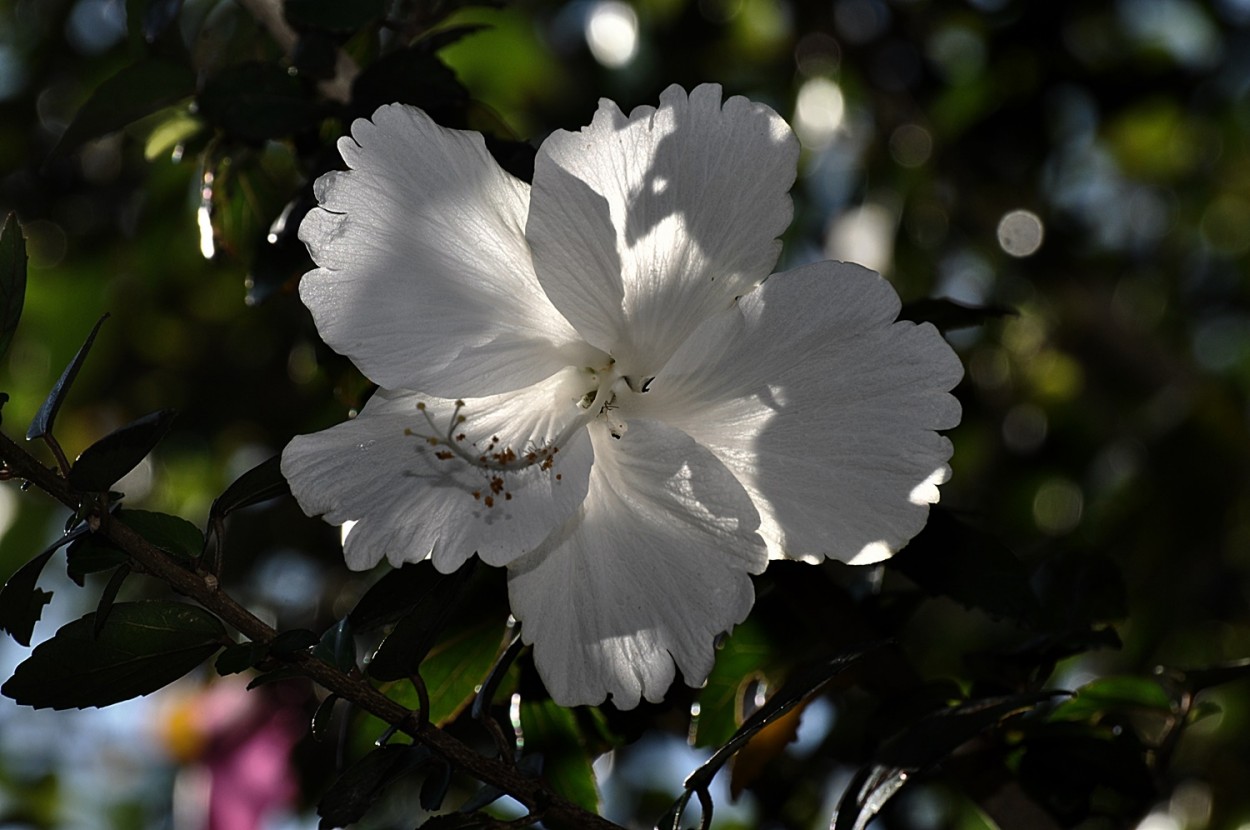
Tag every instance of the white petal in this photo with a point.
(643, 227)
(425, 277)
(409, 503)
(825, 408)
(655, 565)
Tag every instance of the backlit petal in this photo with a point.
(379, 471)
(824, 407)
(644, 226)
(425, 277)
(654, 566)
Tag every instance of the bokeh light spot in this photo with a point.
(1057, 506)
(612, 33)
(1020, 233)
(818, 112)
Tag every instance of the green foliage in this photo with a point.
(553, 732)
(142, 647)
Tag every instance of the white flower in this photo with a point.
(589, 381)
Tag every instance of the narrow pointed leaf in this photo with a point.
(401, 653)
(108, 597)
(321, 718)
(947, 314)
(935, 736)
(102, 464)
(338, 646)
(136, 91)
(394, 595)
(867, 795)
(46, 416)
(21, 603)
(143, 647)
(12, 279)
(261, 483)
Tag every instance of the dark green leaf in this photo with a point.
(401, 653)
(261, 483)
(950, 558)
(46, 416)
(321, 717)
(12, 279)
(949, 314)
(143, 647)
(240, 657)
(103, 463)
(1205, 678)
(338, 646)
(394, 595)
(257, 101)
(275, 676)
(108, 597)
(136, 91)
(171, 534)
(21, 603)
(434, 787)
(1114, 694)
(363, 783)
(935, 736)
(90, 554)
(552, 730)
(332, 15)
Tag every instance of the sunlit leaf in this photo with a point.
(42, 425)
(12, 279)
(1114, 694)
(103, 464)
(742, 656)
(552, 731)
(143, 647)
(138, 90)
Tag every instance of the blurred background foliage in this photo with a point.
(1078, 171)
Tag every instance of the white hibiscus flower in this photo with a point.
(594, 381)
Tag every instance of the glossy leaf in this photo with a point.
(46, 416)
(259, 484)
(401, 653)
(552, 731)
(12, 279)
(394, 595)
(363, 783)
(171, 534)
(338, 646)
(240, 657)
(321, 718)
(136, 91)
(21, 602)
(143, 647)
(103, 464)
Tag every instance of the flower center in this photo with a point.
(496, 456)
